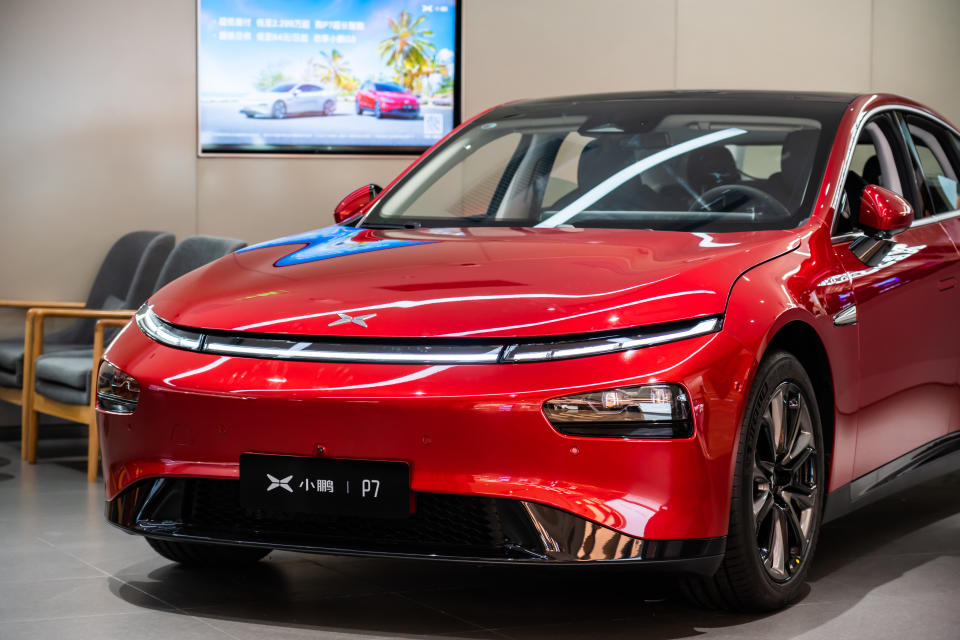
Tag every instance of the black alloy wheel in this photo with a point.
(778, 493)
(785, 482)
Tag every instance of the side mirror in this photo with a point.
(884, 212)
(355, 202)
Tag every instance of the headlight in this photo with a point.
(117, 392)
(164, 333)
(536, 352)
(335, 349)
(647, 411)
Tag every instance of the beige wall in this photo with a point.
(97, 129)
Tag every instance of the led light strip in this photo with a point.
(281, 348)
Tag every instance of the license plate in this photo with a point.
(288, 484)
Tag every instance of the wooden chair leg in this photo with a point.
(93, 439)
(93, 451)
(28, 417)
(27, 346)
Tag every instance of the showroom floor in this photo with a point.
(890, 571)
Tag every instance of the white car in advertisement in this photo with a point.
(288, 99)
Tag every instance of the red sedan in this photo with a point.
(386, 99)
(680, 330)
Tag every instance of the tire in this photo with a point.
(377, 113)
(206, 555)
(359, 109)
(329, 107)
(781, 495)
(279, 110)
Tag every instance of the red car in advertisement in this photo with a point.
(677, 330)
(386, 99)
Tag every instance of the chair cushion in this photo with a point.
(11, 359)
(11, 355)
(68, 368)
(10, 379)
(65, 394)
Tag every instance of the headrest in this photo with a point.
(599, 160)
(711, 166)
(871, 170)
(796, 156)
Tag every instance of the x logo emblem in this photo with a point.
(346, 319)
(282, 483)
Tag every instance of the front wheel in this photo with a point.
(279, 110)
(206, 555)
(377, 112)
(777, 495)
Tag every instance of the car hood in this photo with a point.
(394, 95)
(472, 282)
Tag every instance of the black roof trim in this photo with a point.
(683, 95)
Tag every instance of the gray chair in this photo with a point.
(62, 383)
(125, 279)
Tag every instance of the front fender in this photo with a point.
(798, 287)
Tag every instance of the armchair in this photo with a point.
(64, 383)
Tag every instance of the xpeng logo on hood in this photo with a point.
(331, 242)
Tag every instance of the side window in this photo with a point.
(876, 160)
(935, 146)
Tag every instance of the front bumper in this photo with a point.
(255, 109)
(400, 110)
(450, 527)
(467, 430)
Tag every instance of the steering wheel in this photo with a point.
(766, 201)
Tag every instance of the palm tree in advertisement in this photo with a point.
(407, 50)
(333, 68)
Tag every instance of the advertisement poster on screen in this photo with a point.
(326, 76)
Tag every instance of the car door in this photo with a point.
(314, 97)
(936, 148)
(299, 100)
(362, 96)
(905, 319)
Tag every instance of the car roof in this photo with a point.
(702, 95)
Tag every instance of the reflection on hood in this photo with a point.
(331, 242)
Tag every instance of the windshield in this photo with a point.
(385, 86)
(639, 164)
(282, 88)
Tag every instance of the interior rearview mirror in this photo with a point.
(355, 202)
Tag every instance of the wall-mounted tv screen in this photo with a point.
(326, 76)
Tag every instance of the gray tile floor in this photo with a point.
(889, 571)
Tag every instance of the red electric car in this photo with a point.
(680, 330)
(386, 99)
